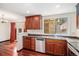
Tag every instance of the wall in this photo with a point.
(4, 31)
(5, 27)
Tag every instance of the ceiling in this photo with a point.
(38, 8)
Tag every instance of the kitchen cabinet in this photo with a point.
(56, 47)
(36, 22)
(28, 22)
(77, 15)
(26, 42)
(33, 22)
(32, 43)
(29, 43)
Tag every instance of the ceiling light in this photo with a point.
(57, 6)
(27, 11)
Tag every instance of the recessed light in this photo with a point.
(57, 6)
(27, 11)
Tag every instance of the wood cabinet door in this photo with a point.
(60, 49)
(25, 29)
(56, 47)
(49, 48)
(77, 21)
(28, 22)
(33, 43)
(77, 15)
(27, 43)
(36, 22)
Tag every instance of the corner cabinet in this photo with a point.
(56, 47)
(33, 22)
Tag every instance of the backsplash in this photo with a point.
(35, 31)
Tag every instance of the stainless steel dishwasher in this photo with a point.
(40, 45)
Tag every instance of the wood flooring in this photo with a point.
(8, 49)
(25, 52)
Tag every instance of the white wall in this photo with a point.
(5, 27)
(4, 31)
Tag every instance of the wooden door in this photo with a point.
(36, 22)
(26, 42)
(13, 32)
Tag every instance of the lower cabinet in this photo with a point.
(29, 43)
(56, 47)
(32, 43)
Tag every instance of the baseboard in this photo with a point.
(4, 41)
(19, 50)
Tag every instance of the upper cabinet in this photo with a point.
(28, 22)
(33, 22)
(77, 13)
(36, 22)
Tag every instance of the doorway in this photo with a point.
(13, 32)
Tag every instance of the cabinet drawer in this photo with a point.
(55, 41)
